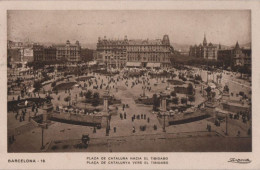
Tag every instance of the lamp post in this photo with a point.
(207, 71)
(226, 124)
(43, 126)
(106, 96)
(42, 138)
(163, 109)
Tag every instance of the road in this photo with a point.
(176, 142)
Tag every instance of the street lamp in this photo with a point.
(43, 126)
(106, 96)
(207, 71)
(226, 124)
(163, 109)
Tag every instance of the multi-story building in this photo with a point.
(41, 53)
(14, 45)
(38, 52)
(14, 56)
(225, 56)
(241, 57)
(134, 53)
(68, 52)
(235, 56)
(206, 51)
(27, 54)
(50, 54)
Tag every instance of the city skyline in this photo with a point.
(183, 27)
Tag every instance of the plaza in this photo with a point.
(131, 112)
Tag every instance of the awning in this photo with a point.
(153, 65)
(133, 64)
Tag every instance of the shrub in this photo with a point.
(173, 94)
(183, 100)
(53, 84)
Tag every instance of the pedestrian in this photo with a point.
(148, 119)
(142, 116)
(114, 129)
(209, 128)
(238, 133)
(133, 129)
(124, 115)
(154, 127)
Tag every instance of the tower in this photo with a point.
(237, 46)
(68, 43)
(166, 40)
(205, 40)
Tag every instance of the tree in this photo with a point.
(96, 95)
(184, 100)
(226, 88)
(67, 99)
(156, 102)
(213, 95)
(48, 98)
(88, 95)
(208, 90)
(53, 84)
(190, 89)
(198, 77)
(95, 101)
(37, 85)
(173, 94)
(243, 70)
(191, 99)
(175, 100)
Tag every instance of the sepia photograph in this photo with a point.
(129, 81)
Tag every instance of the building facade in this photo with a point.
(205, 50)
(14, 56)
(27, 55)
(135, 53)
(14, 45)
(41, 53)
(235, 56)
(241, 57)
(38, 52)
(69, 52)
(50, 54)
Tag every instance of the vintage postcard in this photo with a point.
(129, 85)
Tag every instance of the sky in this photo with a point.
(183, 27)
